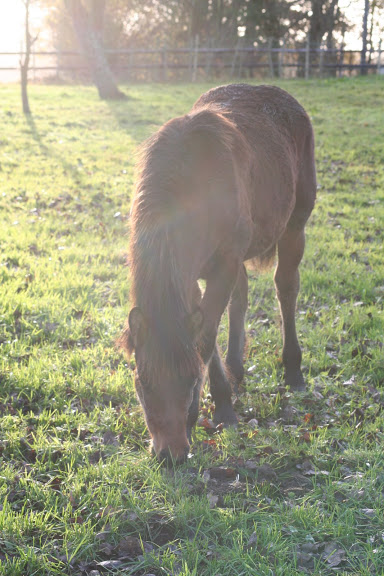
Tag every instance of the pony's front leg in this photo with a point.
(193, 411)
(221, 391)
(220, 284)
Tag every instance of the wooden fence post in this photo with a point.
(195, 58)
(208, 59)
(58, 65)
(281, 60)
(341, 60)
(307, 58)
(379, 59)
(241, 58)
(234, 59)
(130, 65)
(321, 61)
(270, 59)
(164, 64)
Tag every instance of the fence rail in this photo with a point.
(199, 62)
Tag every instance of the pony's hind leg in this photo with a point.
(221, 391)
(287, 282)
(237, 309)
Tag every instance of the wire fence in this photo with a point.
(197, 62)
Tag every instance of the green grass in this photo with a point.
(78, 489)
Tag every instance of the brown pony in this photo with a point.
(228, 182)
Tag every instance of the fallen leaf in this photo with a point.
(305, 560)
(253, 423)
(306, 437)
(77, 520)
(130, 546)
(212, 499)
(368, 512)
(209, 442)
(109, 438)
(351, 381)
(252, 542)
(206, 423)
(102, 535)
(110, 564)
(51, 326)
(206, 476)
(307, 468)
(266, 473)
(309, 548)
(333, 555)
(288, 414)
(222, 473)
(55, 484)
(107, 548)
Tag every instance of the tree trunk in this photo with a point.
(24, 64)
(24, 89)
(90, 41)
(364, 35)
(370, 35)
(322, 22)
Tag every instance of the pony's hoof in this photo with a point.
(295, 382)
(225, 415)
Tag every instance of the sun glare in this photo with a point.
(11, 25)
(12, 19)
(12, 34)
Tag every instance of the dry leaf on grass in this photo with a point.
(206, 423)
(110, 564)
(222, 473)
(130, 546)
(252, 542)
(213, 499)
(333, 555)
(305, 560)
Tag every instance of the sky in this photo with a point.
(12, 23)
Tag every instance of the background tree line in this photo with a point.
(143, 23)
(95, 26)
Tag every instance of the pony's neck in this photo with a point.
(161, 291)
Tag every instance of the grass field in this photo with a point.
(299, 487)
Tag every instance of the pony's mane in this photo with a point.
(160, 283)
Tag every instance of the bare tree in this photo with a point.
(364, 36)
(24, 62)
(88, 27)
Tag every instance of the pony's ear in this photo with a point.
(194, 322)
(138, 327)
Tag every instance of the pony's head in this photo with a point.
(165, 379)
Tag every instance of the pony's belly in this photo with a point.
(263, 240)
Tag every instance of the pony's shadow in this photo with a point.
(130, 119)
(68, 167)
